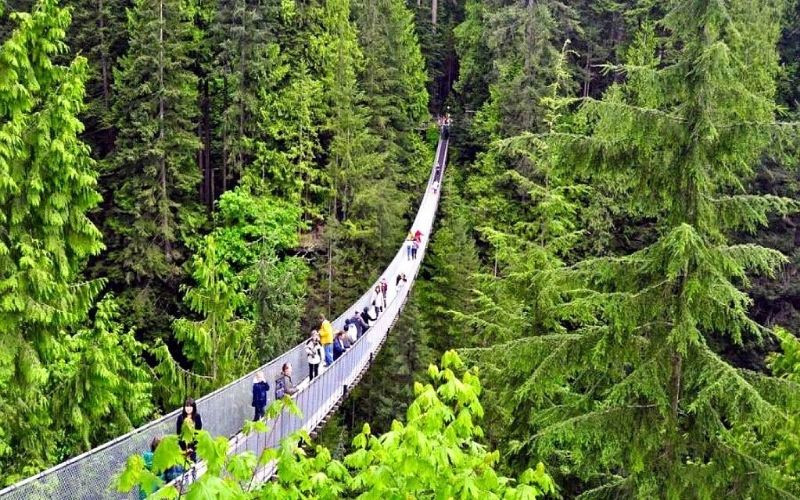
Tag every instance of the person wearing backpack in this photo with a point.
(314, 354)
(260, 388)
(358, 322)
(284, 384)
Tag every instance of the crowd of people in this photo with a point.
(324, 346)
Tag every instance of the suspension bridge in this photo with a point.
(224, 411)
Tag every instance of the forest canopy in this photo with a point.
(186, 185)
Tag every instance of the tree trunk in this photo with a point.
(103, 56)
(209, 170)
(162, 159)
(225, 138)
(242, 84)
(587, 73)
(434, 11)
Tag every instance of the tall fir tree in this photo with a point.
(242, 61)
(153, 199)
(47, 186)
(99, 33)
(363, 205)
(393, 80)
(636, 402)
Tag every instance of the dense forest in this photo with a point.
(611, 290)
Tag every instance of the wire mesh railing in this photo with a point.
(224, 411)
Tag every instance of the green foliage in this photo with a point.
(636, 401)
(47, 186)
(435, 454)
(245, 298)
(787, 366)
(100, 376)
(153, 206)
(218, 344)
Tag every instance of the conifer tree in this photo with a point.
(218, 344)
(100, 377)
(364, 205)
(99, 33)
(243, 60)
(393, 80)
(637, 402)
(47, 186)
(153, 203)
(453, 263)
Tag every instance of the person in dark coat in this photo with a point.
(338, 345)
(189, 417)
(260, 388)
(360, 326)
(365, 318)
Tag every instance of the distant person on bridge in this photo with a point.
(365, 318)
(284, 384)
(260, 388)
(385, 291)
(190, 420)
(377, 298)
(358, 321)
(370, 315)
(399, 282)
(410, 245)
(339, 345)
(326, 338)
(414, 249)
(314, 353)
(351, 330)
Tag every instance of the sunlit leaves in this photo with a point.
(433, 455)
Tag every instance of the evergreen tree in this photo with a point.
(47, 186)
(636, 402)
(99, 33)
(786, 365)
(153, 165)
(242, 63)
(451, 266)
(218, 345)
(364, 206)
(393, 81)
(100, 387)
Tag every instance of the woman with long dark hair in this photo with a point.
(189, 417)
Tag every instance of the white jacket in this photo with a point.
(313, 352)
(352, 332)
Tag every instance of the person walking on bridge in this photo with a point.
(314, 354)
(189, 422)
(326, 338)
(260, 388)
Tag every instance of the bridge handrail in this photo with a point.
(89, 475)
